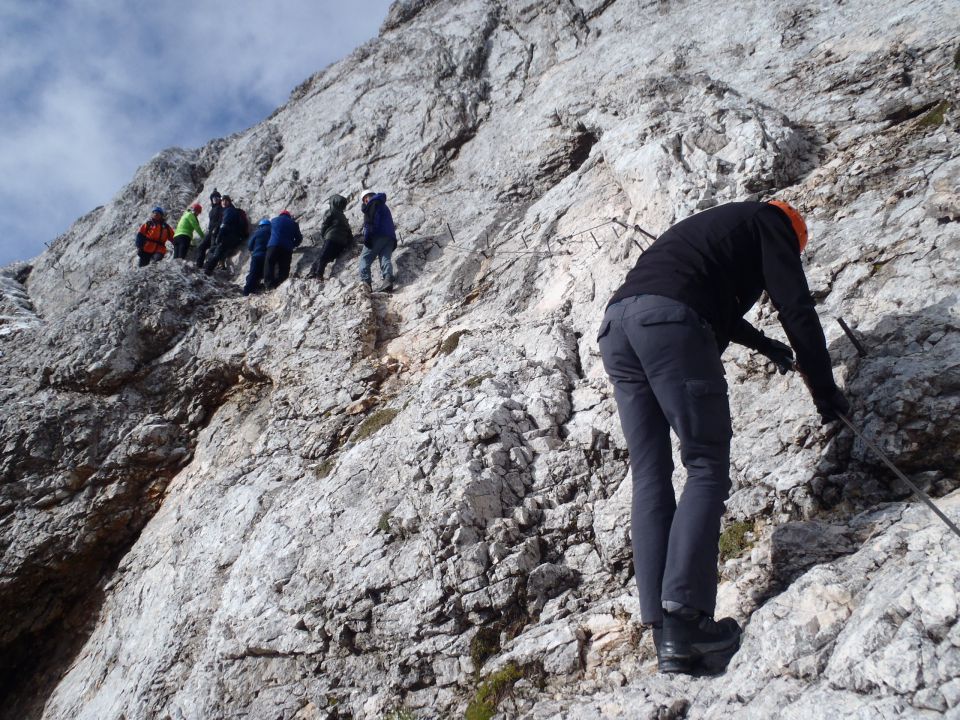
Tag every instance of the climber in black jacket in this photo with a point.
(213, 227)
(661, 340)
(336, 233)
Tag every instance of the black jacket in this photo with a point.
(719, 262)
(215, 217)
(335, 227)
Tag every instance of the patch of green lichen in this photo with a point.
(733, 541)
(956, 59)
(400, 713)
(485, 644)
(324, 468)
(383, 525)
(936, 116)
(452, 341)
(477, 380)
(374, 422)
(495, 688)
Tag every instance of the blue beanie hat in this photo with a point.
(264, 222)
(159, 209)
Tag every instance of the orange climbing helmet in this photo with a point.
(796, 221)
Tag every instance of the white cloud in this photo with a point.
(91, 89)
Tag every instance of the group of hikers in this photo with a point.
(272, 241)
(660, 340)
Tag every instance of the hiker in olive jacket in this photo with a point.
(661, 339)
(183, 236)
(336, 233)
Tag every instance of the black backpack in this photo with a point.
(244, 224)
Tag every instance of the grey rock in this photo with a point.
(308, 503)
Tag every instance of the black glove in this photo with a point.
(779, 354)
(830, 405)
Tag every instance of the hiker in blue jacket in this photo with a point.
(284, 237)
(379, 239)
(257, 245)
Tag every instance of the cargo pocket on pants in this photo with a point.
(709, 410)
(604, 329)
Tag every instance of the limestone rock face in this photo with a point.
(325, 503)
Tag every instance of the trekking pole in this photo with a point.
(916, 491)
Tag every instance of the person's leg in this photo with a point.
(254, 275)
(285, 256)
(270, 268)
(681, 360)
(386, 268)
(648, 440)
(157, 257)
(328, 253)
(202, 250)
(143, 258)
(180, 245)
(216, 254)
(366, 260)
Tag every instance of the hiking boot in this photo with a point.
(691, 641)
(386, 287)
(364, 285)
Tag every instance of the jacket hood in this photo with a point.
(337, 202)
(378, 197)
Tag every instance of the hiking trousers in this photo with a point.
(255, 274)
(202, 249)
(380, 247)
(181, 245)
(144, 258)
(663, 361)
(328, 253)
(277, 266)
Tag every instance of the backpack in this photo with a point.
(244, 224)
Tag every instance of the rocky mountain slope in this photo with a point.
(321, 503)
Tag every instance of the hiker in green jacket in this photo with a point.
(188, 225)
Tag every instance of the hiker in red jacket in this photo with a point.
(661, 340)
(152, 238)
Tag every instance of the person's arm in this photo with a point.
(195, 222)
(787, 286)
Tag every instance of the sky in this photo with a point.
(90, 90)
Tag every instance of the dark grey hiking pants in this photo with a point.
(665, 367)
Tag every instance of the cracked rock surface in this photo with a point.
(324, 503)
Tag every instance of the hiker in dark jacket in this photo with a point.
(230, 236)
(661, 340)
(213, 227)
(152, 238)
(284, 237)
(257, 245)
(336, 233)
(379, 239)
